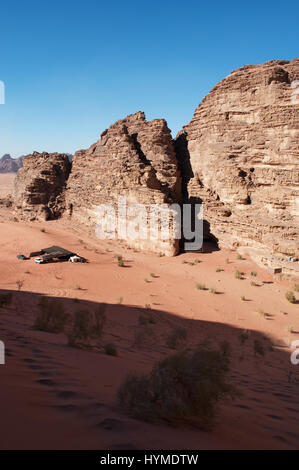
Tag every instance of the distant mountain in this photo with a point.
(9, 164)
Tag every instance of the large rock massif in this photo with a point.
(9, 164)
(134, 158)
(240, 156)
(40, 184)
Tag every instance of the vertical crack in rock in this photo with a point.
(134, 158)
(239, 155)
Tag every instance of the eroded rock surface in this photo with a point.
(40, 185)
(134, 158)
(240, 156)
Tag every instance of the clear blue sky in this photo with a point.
(72, 68)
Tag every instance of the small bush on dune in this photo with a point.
(51, 317)
(143, 335)
(177, 336)
(110, 349)
(5, 299)
(258, 348)
(200, 286)
(295, 287)
(87, 326)
(244, 336)
(185, 387)
(20, 284)
(238, 274)
(120, 261)
(290, 297)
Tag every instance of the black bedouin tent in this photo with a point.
(53, 252)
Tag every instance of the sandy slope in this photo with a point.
(53, 396)
(6, 184)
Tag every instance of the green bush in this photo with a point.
(87, 326)
(51, 317)
(185, 387)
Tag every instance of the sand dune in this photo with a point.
(67, 397)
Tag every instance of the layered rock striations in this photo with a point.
(135, 159)
(9, 164)
(240, 156)
(40, 185)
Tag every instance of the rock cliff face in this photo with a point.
(9, 164)
(40, 184)
(240, 156)
(134, 158)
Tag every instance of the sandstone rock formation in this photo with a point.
(9, 164)
(240, 156)
(134, 158)
(40, 184)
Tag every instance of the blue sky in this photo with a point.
(73, 68)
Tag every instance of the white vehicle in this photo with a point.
(75, 259)
(39, 260)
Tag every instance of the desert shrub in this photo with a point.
(244, 336)
(142, 319)
(289, 329)
(177, 336)
(110, 349)
(87, 326)
(200, 286)
(295, 287)
(238, 274)
(20, 284)
(185, 387)
(290, 297)
(5, 299)
(142, 335)
(225, 348)
(51, 317)
(120, 261)
(258, 348)
(212, 290)
(240, 257)
(243, 298)
(253, 273)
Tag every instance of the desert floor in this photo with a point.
(53, 396)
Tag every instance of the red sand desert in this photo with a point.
(53, 396)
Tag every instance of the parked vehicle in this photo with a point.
(22, 257)
(77, 259)
(39, 260)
